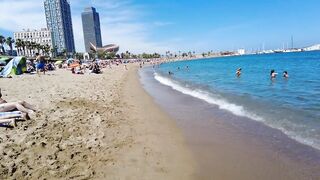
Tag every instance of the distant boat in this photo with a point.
(278, 51)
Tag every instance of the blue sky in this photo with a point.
(185, 25)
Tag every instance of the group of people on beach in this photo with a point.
(39, 65)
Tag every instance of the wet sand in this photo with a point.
(230, 147)
(91, 127)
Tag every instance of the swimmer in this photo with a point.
(238, 73)
(285, 74)
(273, 74)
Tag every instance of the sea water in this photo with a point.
(291, 105)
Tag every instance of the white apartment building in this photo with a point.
(42, 36)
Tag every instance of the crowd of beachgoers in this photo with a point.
(81, 66)
(10, 112)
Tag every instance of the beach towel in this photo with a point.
(13, 114)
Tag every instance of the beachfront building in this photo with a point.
(42, 37)
(91, 28)
(59, 21)
(110, 48)
(241, 52)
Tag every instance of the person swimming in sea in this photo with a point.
(285, 74)
(170, 73)
(238, 73)
(273, 74)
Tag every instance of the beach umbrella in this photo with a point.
(74, 65)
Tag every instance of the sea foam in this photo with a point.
(209, 98)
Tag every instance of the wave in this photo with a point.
(232, 108)
(206, 96)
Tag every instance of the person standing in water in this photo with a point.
(285, 74)
(273, 74)
(238, 73)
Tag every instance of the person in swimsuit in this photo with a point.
(238, 73)
(40, 64)
(273, 74)
(285, 74)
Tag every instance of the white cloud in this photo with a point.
(120, 22)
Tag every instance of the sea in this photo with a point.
(290, 105)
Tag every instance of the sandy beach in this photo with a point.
(91, 127)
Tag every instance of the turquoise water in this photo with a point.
(291, 105)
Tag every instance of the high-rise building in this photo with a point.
(91, 28)
(59, 22)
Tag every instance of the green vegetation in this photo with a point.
(2, 42)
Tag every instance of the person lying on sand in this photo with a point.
(22, 106)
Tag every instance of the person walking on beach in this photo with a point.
(40, 64)
(238, 73)
(273, 74)
(285, 74)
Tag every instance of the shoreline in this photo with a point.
(91, 126)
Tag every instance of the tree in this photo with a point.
(19, 46)
(9, 42)
(78, 55)
(46, 49)
(28, 47)
(110, 55)
(33, 47)
(101, 55)
(2, 41)
(54, 50)
(24, 45)
(64, 53)
(38, 47)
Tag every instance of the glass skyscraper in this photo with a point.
(91, 28)
(59, 22)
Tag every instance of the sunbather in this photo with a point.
(20, 106)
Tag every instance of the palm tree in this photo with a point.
(33, 47)
(54, 50)
(38, 47)
(9, 42)
(64, 52)
(41, 47)
(46, 49)
(19, 46)
(23, 45)
(29, 47)
(2, 41)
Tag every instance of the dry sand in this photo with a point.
(91, 127)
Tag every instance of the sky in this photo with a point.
(182, 25)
